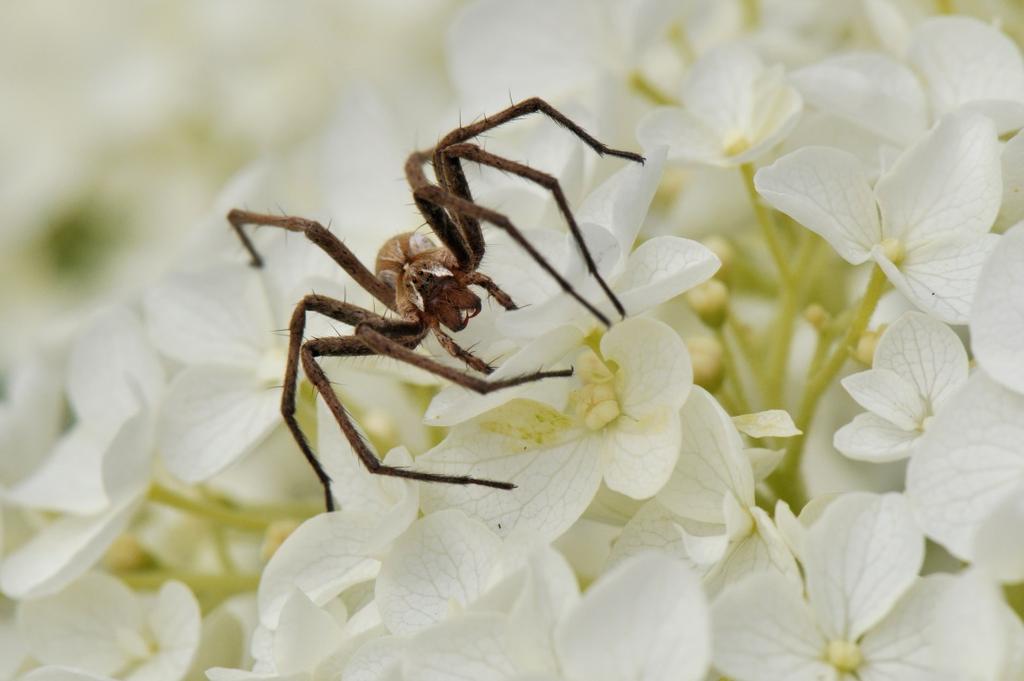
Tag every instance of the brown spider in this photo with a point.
(426, 285)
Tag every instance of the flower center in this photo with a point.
(596, 403)
(894, 250)
(843, 655)
(735, 144)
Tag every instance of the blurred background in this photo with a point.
(123, 119)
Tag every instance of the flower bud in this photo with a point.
(817, 316)
(710, 301)
(706, 357)
(126, 553)
(866, 344)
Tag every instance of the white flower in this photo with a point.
(706, 512)
(918, 365)
(734, 110)
(925, 222)
(969, 461)
(646, 620)
(99, 626)
(619, 423)
(99, 470)
(997, 318)
(865, 614)
(952, 63)
(30, 417)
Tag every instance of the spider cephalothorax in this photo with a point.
(429, 284)
(425, 284)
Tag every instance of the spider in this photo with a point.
(425, 285)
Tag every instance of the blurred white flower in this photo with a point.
(997, 317)
(99, 626)
(925, 222)
(865, 614)
(734, 110)
(919, 364)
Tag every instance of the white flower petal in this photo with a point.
(327, 554)
(647, 620)
(889, 396)
(305, 635)
(654, 366)
(711, 463)
(660, 269)
(472, 647)
(969, 460)
(378, 659)
(764, 461)
(770, 423)
(638, 457)
(861, 556)
(898, 648)
(682, 132)
(764, 631)
(81, 625)
(111, 367)
(940, 276)
(925, 351)
(212, 417)
(964, 60)
(1012, 210)
(175, 623)
(869, 90)
(620, 203)
(872, 438)
(216, 316)
(949, 181)
(827, 191)
(549, 591)
(31, 416)
(762, 549)
(70, 479)
(997, 316)
(59, 673)
(442, 559)
(719, 89)
(555, 469)
(63, 550)
(653, 528)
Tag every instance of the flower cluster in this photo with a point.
(798, 455)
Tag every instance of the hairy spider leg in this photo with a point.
(451, 176)
(372, 338)
(323, 238)
(460, 206)
(472, 152)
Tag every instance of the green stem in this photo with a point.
(206, 509)
(767, 222)
(222, 584)
(786, 323)
(787, 480)
(732, 372)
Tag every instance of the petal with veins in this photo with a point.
(861, 556)
(997, 317)
(770, 423)
(638, 456)
(949, 181)
(213, 416)
(662, 268)
(969, 460)
(888, 395)
(711, 463)
(872, 438)
(925, 351)
(940, 276)
(654, 366)
(898, 648)
(827, 191)
(646, 619)
(473, 647)
(554, 467)
(443, 559)
(764, 631)
(686, 136)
